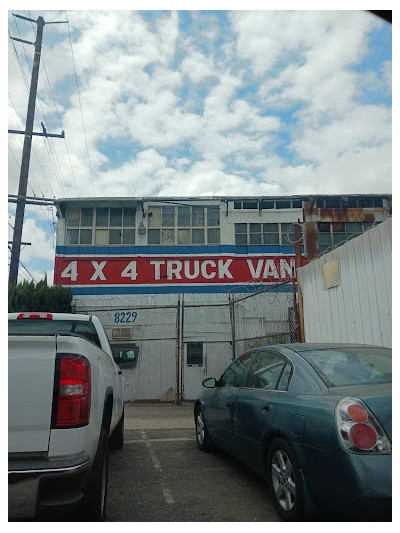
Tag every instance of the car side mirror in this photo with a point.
(209, 383)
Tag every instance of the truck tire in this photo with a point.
(116, 441)
(94, 504)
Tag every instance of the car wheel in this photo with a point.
(94, 504)
(202, 436)
(116, 441)
(284, 480)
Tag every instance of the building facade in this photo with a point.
(182, 285)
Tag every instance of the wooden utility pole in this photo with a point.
(26, 152)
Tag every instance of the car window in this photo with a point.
(266, 371)
(233, 376)
(352, 366)
(285, 377)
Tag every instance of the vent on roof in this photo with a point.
(121, 333)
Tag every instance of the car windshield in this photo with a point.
(352, 366)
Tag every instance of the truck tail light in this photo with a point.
(359, 430)
(46, 316)
(72, 407)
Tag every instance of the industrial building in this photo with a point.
(183, 285)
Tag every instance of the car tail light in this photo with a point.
(47, 316)
(359, 430)
(73, 397)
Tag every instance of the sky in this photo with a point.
(197, 103)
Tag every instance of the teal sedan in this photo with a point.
(314, 419)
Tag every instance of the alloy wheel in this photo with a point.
(283, 480)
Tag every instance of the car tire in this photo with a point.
(116, 441)
(202, 436)
(94, 503)
(284, 480)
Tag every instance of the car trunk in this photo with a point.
(31, 363)
(377, 397)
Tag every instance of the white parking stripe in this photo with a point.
(165, 490)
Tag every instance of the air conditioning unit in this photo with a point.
(121, 333)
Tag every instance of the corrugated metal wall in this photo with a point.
(359, 308)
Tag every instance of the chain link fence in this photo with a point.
(166, 351)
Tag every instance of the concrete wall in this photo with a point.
(357, 305)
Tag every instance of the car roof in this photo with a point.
(305, 347)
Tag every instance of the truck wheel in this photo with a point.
(94, 504)
(116, 441)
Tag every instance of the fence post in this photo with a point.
(178, 350)
(232, 319)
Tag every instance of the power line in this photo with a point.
(80, 105)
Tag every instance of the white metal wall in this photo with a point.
(359, 308)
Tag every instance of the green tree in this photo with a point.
(27, 296)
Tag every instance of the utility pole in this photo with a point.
(26, 152)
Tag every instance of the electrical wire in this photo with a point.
(80, 104)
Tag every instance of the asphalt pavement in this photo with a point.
(161, 476)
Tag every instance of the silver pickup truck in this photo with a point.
(65, 408)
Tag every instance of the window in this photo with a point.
(267, 234)
(233, 376)
(101, 225)
(194, 354)
(267, 370)
(184, 225)
(335, 233)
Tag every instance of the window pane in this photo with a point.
(284, 381)
(233, 376)
(197, 216)
(168, 216)
(128, 236)
(240, 239)
(241, 228)
(153, 236)
(271, 238)
(198, 236)
(195, 353)
(265, 371)
(72, 236)
(183, 236)
(102, 216)
(250, 204)
(255, 238)
(282, 204)
(339, 237)
(154, 217)
(86, 216)
(237, 205)
(129, 216)
(183, 216)
(101, 236)
(168, 236)
(353, 227)
(73, 214)
(338, 227)
(115, 216)
(267, 204)
(85, 236)
(324, 238)
(212, 216)
(255, 228)
(297, 204)
(213, 236)
(115, 236)
(270, 228)
(324, 226)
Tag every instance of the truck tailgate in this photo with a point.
(31, 363)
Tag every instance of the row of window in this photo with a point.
(334, 233)
(320, 203)
(278, 233)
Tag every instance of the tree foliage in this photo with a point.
(27, 296)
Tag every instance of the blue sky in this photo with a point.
(199, 103)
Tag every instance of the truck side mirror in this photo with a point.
(126, 357)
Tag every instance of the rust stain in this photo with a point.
(311, 238)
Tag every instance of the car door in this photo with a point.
(220, 406)
(255, 404)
